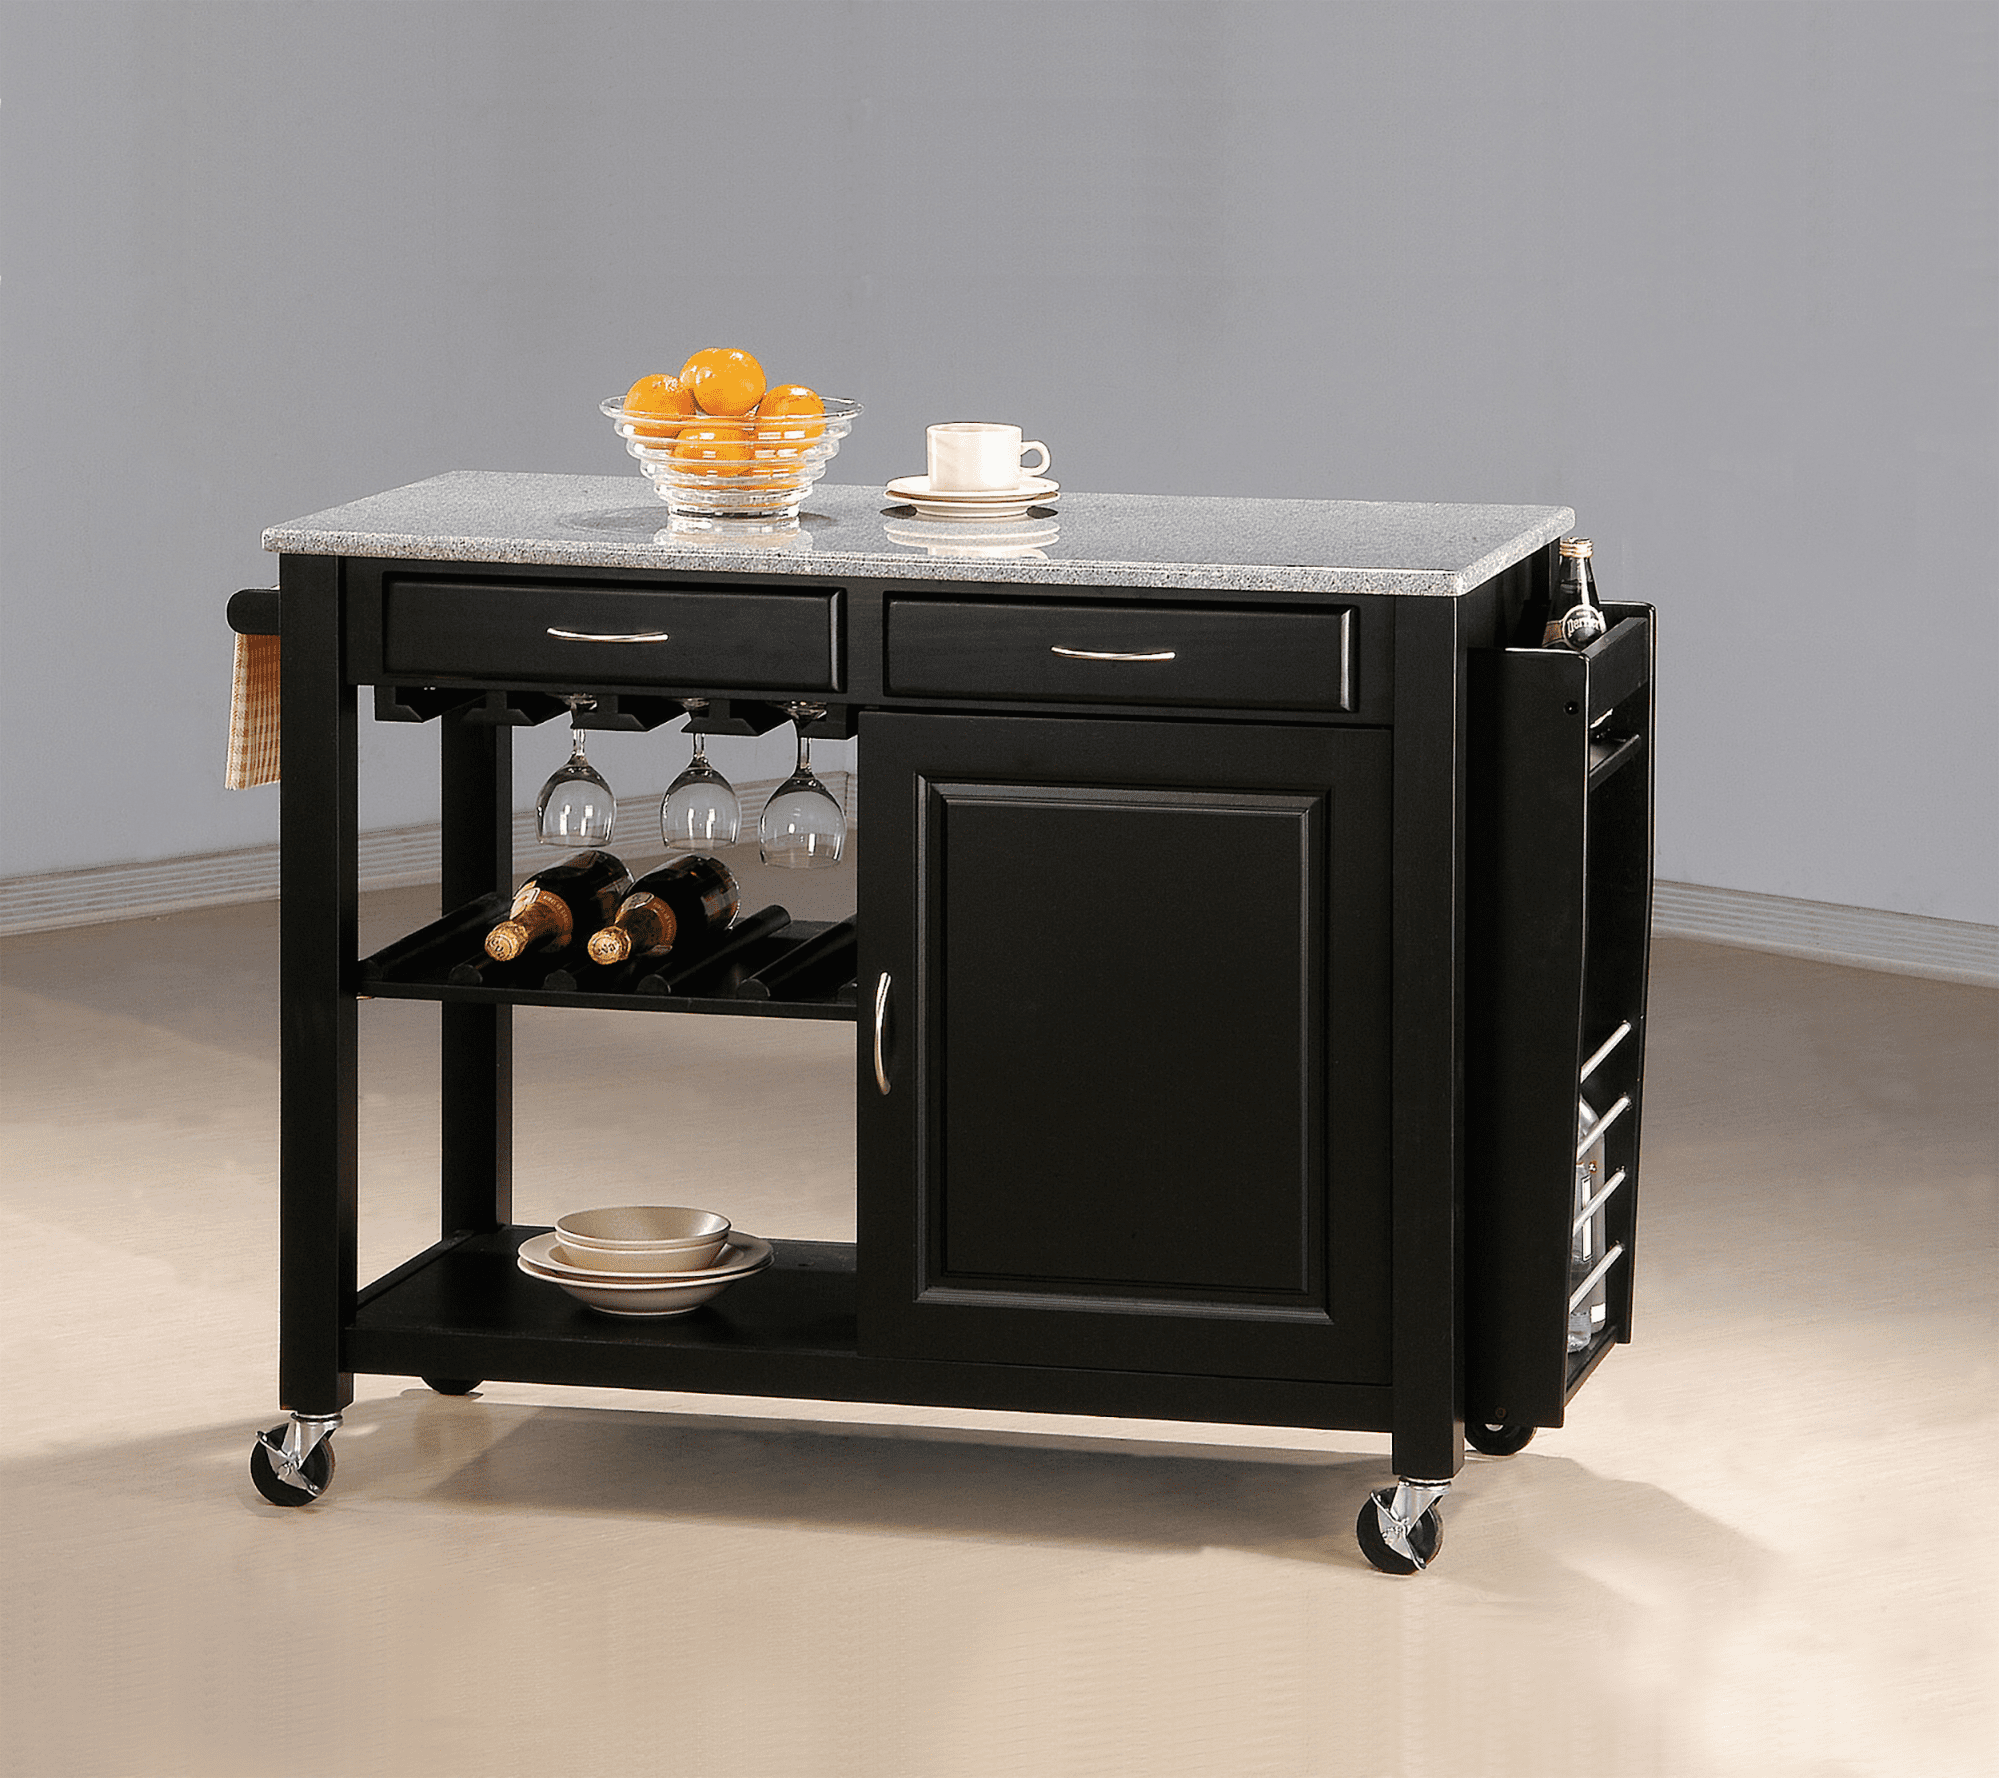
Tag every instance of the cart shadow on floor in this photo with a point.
(899, 1481)
(1536, 1530)
(1526, 1526)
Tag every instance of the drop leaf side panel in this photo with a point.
(1529, 812)
(1558, 935)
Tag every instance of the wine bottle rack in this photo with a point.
(802, 970)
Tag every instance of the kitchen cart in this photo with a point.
(1251, 947)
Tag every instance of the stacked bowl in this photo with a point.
(644, 1260)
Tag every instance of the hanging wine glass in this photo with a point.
(802, 827)
(700, 810)
(576, 807)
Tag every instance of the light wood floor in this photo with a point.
(1764, 1545)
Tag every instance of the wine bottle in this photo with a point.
(553, 906)
(1575, 618)
(679, 907)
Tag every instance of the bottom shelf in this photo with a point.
(464, 1309)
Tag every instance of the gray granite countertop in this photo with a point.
(1157, 540)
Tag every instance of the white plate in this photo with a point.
(741, 1254)
(649, 1299)
(996, 503)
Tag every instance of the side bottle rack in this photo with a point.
(1560, 849)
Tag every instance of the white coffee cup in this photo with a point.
(972, 457)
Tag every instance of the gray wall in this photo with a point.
(1721, 277)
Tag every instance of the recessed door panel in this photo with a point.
(1076, 1087)
(1131, 989)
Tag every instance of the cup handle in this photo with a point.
(1040, 468)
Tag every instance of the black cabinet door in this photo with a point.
(1124, 1045)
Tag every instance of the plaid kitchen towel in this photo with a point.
(253, 715)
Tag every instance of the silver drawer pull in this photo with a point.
(1099, 654)
(881, 1019)
(591, 636)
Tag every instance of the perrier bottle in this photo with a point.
(1575, 619)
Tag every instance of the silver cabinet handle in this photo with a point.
(881, 1019)
(1099, 654)
(591, 636)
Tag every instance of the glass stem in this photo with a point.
(576, 747)
(804, 753)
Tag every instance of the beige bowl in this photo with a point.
(632, 1266)
(651, 1238)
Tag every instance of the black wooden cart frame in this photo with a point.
(1462, 948)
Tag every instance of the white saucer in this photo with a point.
(993, 503)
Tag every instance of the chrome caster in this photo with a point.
(1400, 1529)
(292, 1464)
(1497, 1441)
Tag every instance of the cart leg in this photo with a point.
(476, 1042)
(1400, 1529)
(316, 926)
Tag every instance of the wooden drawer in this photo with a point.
(1231, 657)
(446, 629)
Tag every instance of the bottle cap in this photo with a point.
(613, 944)
(506, 941)
(1577, 546)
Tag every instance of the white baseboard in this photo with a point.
(389, 858)
(1862, 938)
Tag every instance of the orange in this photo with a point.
(723, 380)
(784, 420)
(713, 450)
(658, 394)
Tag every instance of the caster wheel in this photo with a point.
(453, 1385)
(1497, 1441)
(273, 1486)
(1426, 1540)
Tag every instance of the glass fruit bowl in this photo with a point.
(718, 474)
